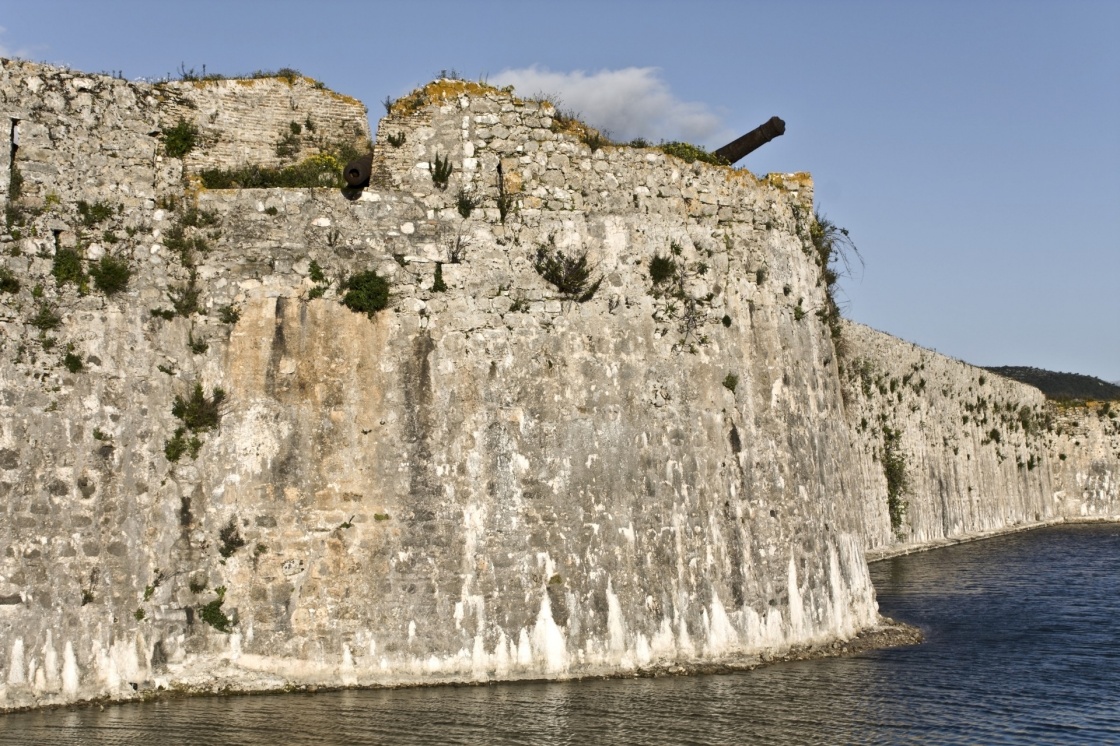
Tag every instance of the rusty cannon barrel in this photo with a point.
(752, 141)
(357, 171)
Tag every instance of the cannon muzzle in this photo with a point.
(752, 141)
(357, 171)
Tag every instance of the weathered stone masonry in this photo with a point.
(486, 481)
(982, 453)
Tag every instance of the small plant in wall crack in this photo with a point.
(72, 362)
(834, 251)
(8, 281)
(457, 249)
(465, 203)
(571, 275)
(149, 590)
(212, 613)
(184, 299)
(670, 275)
(894, 469)
(181, 444)
(111, 274)
(316, 275)
(229, 314)
(438, 285)
(230, 538)
(198, 346)
(199, 413)
(440, 168)
(67, 268)
(180, 139)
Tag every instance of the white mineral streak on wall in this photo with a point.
(723, 638)
(616, 627)
(524, 650)
(15, 663)
(71, 676)
(50, 666)
(796, 609)
(346, 668)
(550, 646)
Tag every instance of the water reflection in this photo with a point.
(1023, 643)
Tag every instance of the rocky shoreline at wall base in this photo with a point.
(888, 633)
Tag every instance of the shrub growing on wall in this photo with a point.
(894, 469)
(180, 139)
(110, 275)
(8, 281)
(571, 275)
(662, 269)
(688, 153)
(67, 267)
(366, 292)
(94, 213)
(198, 411)
(834, 250)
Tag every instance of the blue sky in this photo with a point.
(971, 148)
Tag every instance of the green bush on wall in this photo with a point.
(898, 482)
(688, 153)
(67, 267)
(111, 275)
(662, 268)
(212, 613)
(366, 292)
(571, 275)
(180, 139)
(198, 411)
(8, 281)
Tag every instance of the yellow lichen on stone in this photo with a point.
(801, 178)
(789, 182)
(574, 127)
(439, 91)
(741, 175)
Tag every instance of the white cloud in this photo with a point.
(627, 103)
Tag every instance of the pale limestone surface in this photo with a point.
(492, 481)
(982, 453)
(487, 482)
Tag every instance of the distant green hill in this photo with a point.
(1061, 385)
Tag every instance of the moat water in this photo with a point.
(1023, 647)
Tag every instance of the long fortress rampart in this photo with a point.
(222, 477)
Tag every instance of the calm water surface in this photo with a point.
(1023, 646)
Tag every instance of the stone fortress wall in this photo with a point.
(261, 120)
(980, 453)
(486, 480)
